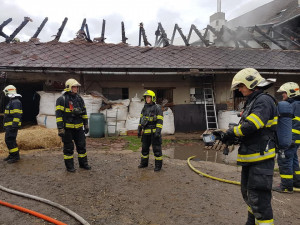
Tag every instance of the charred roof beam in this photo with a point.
(124, 38)
(2, 26)
(176, 27)
(36, 34)
(19, 28)
(163, 36)
(142, 33)
(61, 29)
(194, 28)
(258, 30)
(290, 32)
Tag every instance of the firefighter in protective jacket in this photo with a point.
(151, 123)
(12, 122)
(71, 118)
(256, 132)
(288, 158)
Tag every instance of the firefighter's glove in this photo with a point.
(156, 135)
(139, 131)
(220, 135)
(61, 132)
(86, 129)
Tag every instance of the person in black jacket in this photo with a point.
(150, 126)
(12, 122)
(71, 118)
(256, 132)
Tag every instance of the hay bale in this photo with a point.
(35, 137)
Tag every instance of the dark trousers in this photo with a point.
(256, 186)
(11, 140)
(79, 138)
(147, 140)
(289, 167)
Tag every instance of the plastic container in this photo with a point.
(97, 125)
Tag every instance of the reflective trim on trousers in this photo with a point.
(264, 222)
(256, 156)
(297, 172)
(68, 156)
(13, 150)
(158, 158)
(144, 156)
(286, 176)
(82, 155)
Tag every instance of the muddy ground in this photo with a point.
(115, 191)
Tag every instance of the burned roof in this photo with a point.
(80, 56)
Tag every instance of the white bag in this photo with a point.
(46, 120)
(168, 124)
(47, 103)
(132, 123)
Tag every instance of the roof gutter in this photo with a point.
(192, 72)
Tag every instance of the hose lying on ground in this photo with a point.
(34, 213)
(66, 210)
(216, 178)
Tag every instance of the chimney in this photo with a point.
(219, 5)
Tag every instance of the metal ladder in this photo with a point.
(210, 107)
(113, 125)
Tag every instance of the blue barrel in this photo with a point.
(97, 125)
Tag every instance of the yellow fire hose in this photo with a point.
(216, 178)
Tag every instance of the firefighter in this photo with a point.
(12, 122)
(71, 118)
(150, 126)
(287, 158)
(256, 133)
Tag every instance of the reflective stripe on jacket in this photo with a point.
(13, 113)
(70, 111)
(151, 118)
(257, 129)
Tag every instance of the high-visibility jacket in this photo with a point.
(70, 111)
(257, 129)
(13, 113)
(151, 120)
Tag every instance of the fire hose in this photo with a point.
(31, 212)
(216, 178)
(48, 202)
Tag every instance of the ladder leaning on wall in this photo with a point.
(210, 107)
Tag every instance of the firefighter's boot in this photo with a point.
(282, 189)
(13, 158)
(83, 163)
(158, 165)
(70, 165)
(251, 219)
(7, 158)
(144, 162)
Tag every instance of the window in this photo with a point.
(115, 93)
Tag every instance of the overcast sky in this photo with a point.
(132, 12)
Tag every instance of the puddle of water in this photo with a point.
(183, 152)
